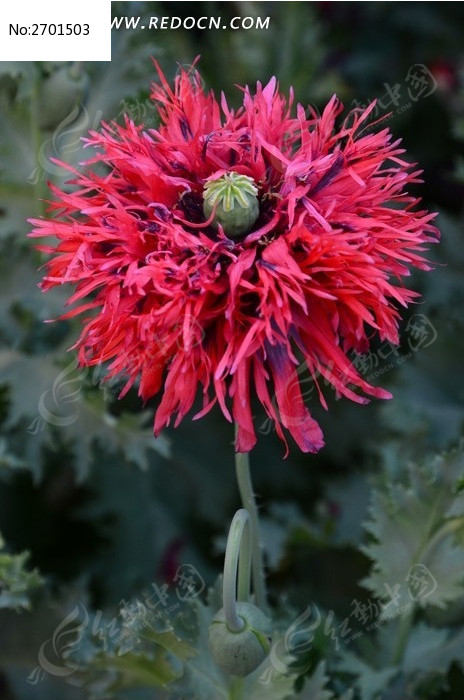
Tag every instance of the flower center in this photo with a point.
(233, 198)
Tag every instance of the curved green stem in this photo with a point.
(238, 557)
(242, 467)
(244, 563)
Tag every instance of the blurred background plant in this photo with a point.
(110, 538)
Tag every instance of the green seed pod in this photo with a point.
(61, 93)
(234, 199)
(240, 653)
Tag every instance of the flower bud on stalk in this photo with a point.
(240, 653)
(239, 638)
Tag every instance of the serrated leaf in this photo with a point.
(139, 670)
(413, 526)
(279, 687)
(315, 687)
(128, 652)
(94, 425)
(16, 582)
(432, 650)
(202, 679)
(370, 681)
(19, 280)
(270, 680)
(54, 400)
(141, 624)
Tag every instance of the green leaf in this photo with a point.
(145, 625)
(23, 306)
(432, 650)
(138, 670)
(202, 679)
(29, 378)
(413, 525)
(16, 582)
(130, 651)
(370, 681)
(315, 687)
(270, 680)
(126, 433)
(53, 400)
(279, 687)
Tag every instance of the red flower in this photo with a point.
(178, 304)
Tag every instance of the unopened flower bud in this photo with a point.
(240, 653)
